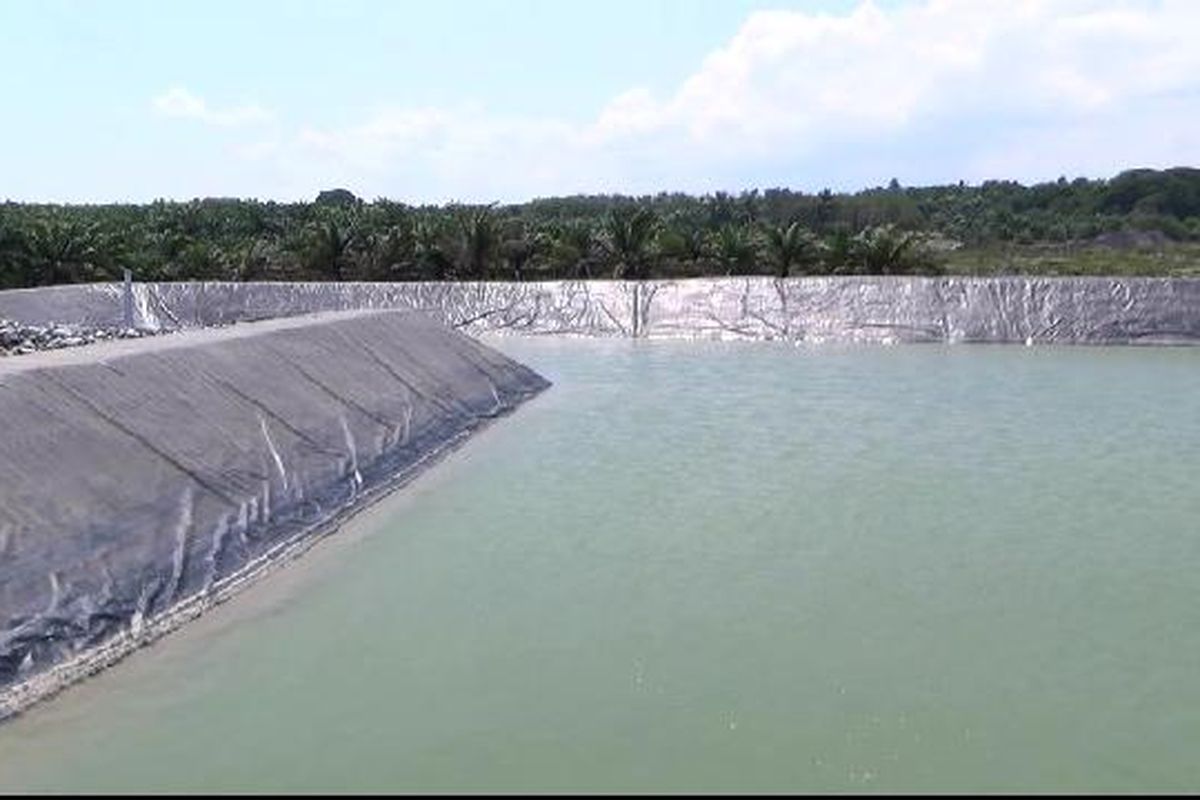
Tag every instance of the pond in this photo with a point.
(715, 567)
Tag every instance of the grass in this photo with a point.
(1177, 260)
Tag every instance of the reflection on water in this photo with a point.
(717, 567)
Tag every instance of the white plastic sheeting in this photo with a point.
(813, 309)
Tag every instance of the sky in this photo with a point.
(507, 100)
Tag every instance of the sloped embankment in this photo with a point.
(143, 481)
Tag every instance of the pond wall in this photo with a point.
(810, 309)
(143, 481)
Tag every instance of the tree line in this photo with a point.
(885, 230)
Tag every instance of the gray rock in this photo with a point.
(22, 339)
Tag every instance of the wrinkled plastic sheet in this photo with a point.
(141, 481)
(811, 309)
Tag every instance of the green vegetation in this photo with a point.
(1141, 222)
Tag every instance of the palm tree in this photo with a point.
(65, 251)
(720, 209)
(12, 256)
(789, 246)
(628, 238)
(750, 206)
(684, 241)
(328, 246)
(254, 259)
(735, 249)
(839, 249)
(517, 248)
(883, 250)
(826, 210)
(388, 250)
(479, 239)
(574, 244)
(429, 249)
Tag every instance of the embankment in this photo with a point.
(143, 481)
(1100, 311)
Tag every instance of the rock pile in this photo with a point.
(17, 339)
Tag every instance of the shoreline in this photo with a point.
(17, 699)
(149, 480)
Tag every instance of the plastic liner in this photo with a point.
(142, 481)
(812, 309)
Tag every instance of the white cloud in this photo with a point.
(179, 102)
(791, 75)
(930, 91)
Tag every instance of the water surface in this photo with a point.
(723, 567)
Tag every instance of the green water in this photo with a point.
(721, 567)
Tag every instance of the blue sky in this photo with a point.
(511, 99)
